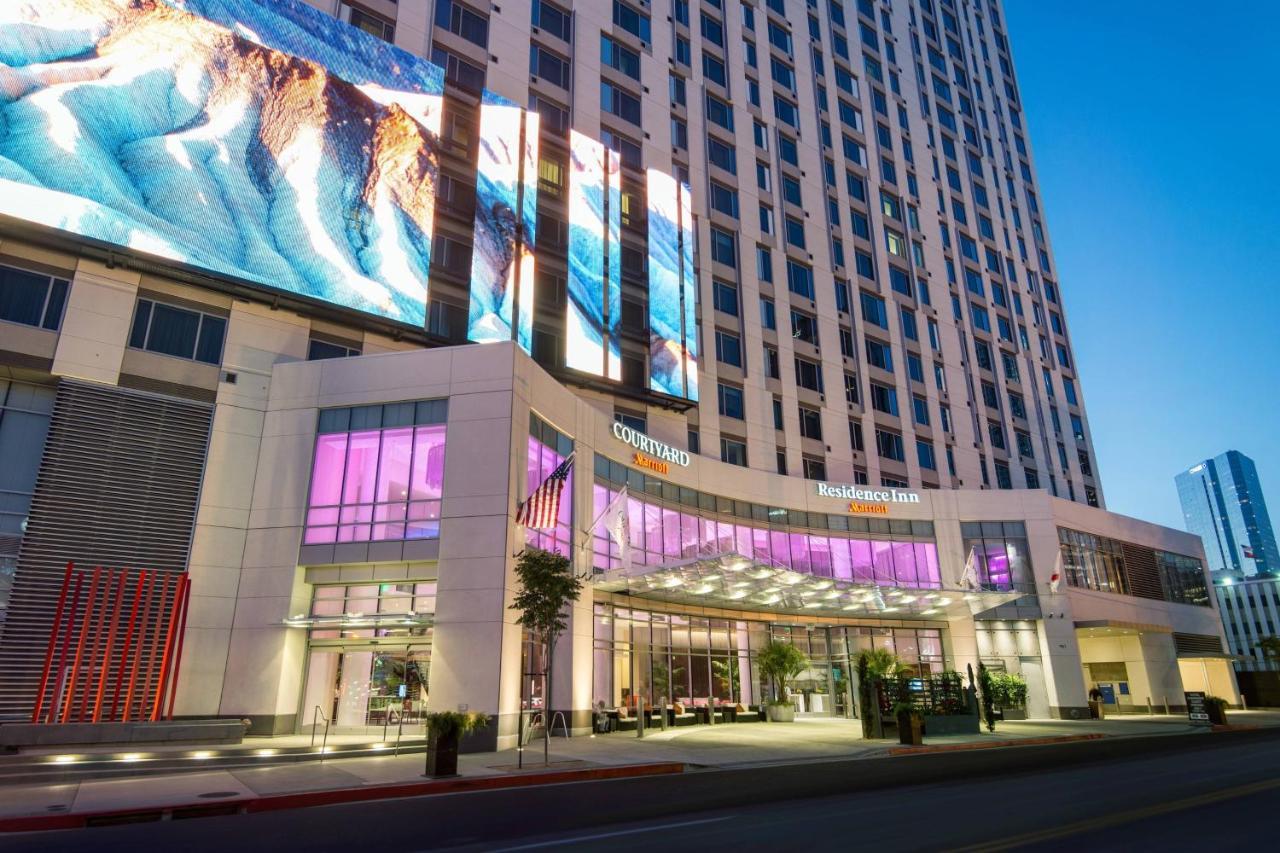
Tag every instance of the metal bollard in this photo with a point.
(1166, 706)
(639, 717)
(1150, 711)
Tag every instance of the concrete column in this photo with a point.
(95, 327)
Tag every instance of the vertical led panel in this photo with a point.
(584, 322)
(613, 210)
(688, 295)
(529, 217)
(666, 319)
(502, 265)
(673, 288)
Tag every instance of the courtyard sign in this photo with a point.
(649, 446)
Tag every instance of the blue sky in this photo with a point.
(1154, 127)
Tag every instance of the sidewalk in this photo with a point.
(694, 748)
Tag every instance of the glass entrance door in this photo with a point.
(366, 690)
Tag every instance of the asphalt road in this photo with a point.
(1202, 792)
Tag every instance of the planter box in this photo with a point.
(951, 724)
(1013, 713)
(781, 713)
(442, 756)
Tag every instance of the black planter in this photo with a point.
(910, 729)
(442, 756)
(1217, 713)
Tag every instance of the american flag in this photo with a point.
(542, 508)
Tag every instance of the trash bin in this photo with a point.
(1095, 709)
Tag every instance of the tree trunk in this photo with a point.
(546, 701)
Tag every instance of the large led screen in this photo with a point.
(595, 283)
(261, 140)
(502, 259)
(673, 330)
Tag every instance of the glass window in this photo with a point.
(179, 332)
(30, 298)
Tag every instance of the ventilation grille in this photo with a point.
(118, 486)
(1187, 644)
(1144, 576)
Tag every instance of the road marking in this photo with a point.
(1118, 818)
(559, 842)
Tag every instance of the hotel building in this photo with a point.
(778, 268)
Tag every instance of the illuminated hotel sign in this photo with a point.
(650, 447)
(855, 494)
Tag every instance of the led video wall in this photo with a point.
(594, 312)
(261, 140)
(502, 259)
(673, 329)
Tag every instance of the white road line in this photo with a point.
(565, 841)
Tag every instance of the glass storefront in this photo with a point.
(368, 656)
(668, 524)
(671, 657)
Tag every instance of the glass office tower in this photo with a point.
(1222, 502)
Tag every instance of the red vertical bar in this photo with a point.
(155, 647)
(120, 580)
(177, 657)
(53, 643)
(94, 661)
(56, 706)
(84, 632)
(128, 642)
(169, 635)
(142, 641)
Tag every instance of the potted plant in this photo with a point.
(874, 665)
(781, 662)
(444, 730)
(1216, 708)
(1010, 695)
(910, 724)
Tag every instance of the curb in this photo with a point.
(281, 802)
(967, 747)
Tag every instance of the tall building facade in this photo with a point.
(292, 323)
(1223, 504)
(878, 300)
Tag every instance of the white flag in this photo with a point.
(618, 526)
(1055, 579)
(969, 577)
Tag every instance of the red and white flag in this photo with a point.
(542, 509)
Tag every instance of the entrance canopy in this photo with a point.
(733, 581)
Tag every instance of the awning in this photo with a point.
(733, 581)
(350, 621)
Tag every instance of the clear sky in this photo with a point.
(1155, 129)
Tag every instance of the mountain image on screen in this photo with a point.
(261, 140)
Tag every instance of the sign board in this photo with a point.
(650, 446)
(1196, 710)
(1108, 693)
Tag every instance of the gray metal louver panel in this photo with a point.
(118, 487)
(1190, 644)
(1143, 575)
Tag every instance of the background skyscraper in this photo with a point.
(1222, 502)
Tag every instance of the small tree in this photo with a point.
(987, 687)
(874, 665)
(781, 662)
(547, 588)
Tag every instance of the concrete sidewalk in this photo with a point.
(723, 746)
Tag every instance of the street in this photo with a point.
(1211, 791)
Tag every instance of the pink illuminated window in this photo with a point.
(376, 484)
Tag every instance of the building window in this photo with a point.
(734, 452)
(33, 299)
(636, 422)
(169, 330)
(814, 469)
(461, 21)
(318, 350)
(889, 445)
(728, 348)
(372, 24)
(730, 400)
(810, 423)
(551, 19)
(1001, 559)
(1092, 562)
(377, 474)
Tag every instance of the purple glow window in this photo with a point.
(375, 485)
